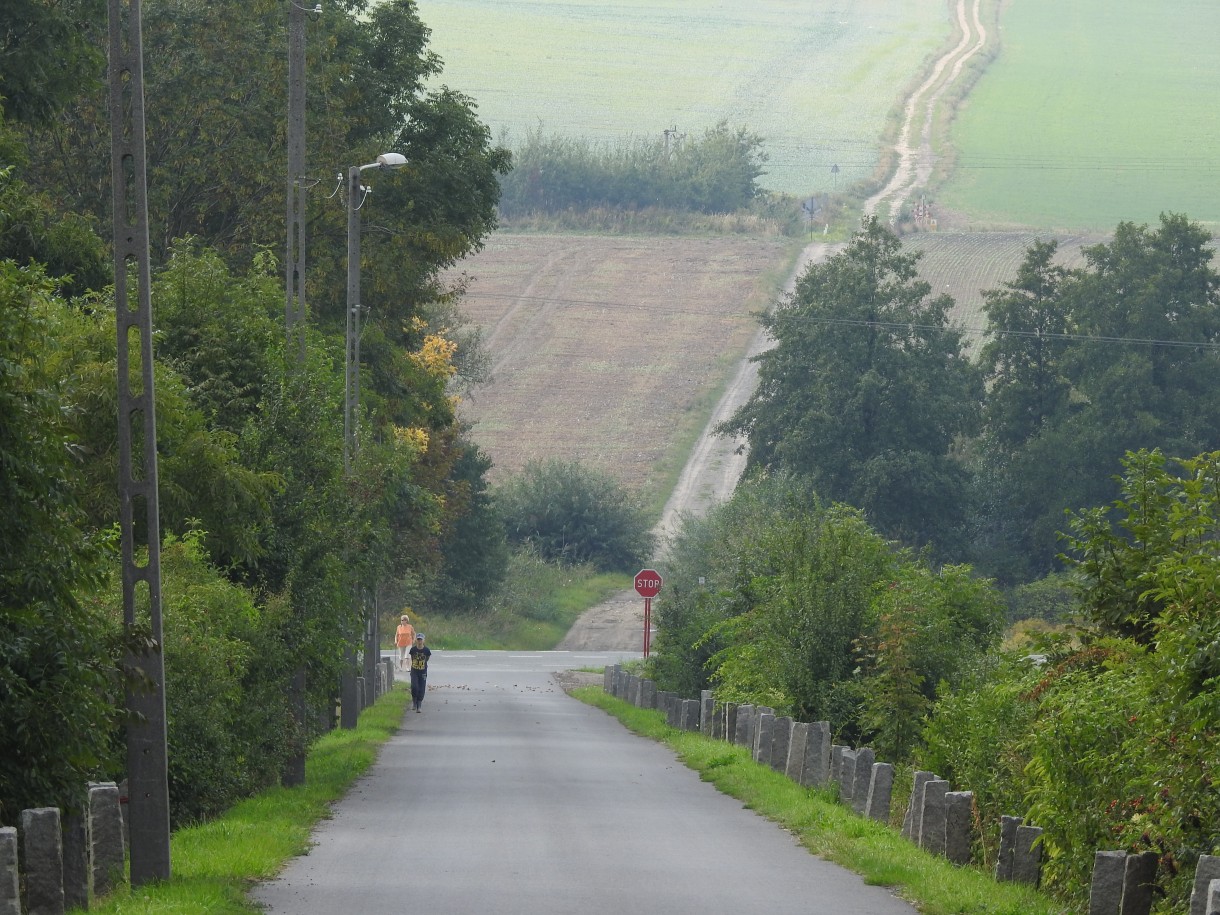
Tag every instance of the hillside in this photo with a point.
(612, 351)
(816, 80)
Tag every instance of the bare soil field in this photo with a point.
(612, 350)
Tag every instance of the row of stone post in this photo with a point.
(937, 819)
(66, 862)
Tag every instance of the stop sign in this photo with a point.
(647, 582)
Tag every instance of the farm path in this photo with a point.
(711, 473)
(915, 160)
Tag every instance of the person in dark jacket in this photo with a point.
(419, 670)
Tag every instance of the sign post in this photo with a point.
(648, 586)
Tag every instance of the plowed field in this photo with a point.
(612, 350)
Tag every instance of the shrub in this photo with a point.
(574, 514)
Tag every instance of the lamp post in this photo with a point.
(356, 192)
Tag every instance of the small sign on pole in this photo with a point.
(648, 586)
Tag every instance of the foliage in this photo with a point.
(1141, 374)
(46, 57)
(475, 556)
(58, 683)
(715, 173)
(1111, 740)
(226, 708)
(866, 392)
(805, 608)
(32, 232)
(570, 512)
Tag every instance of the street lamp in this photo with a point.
(356, 192)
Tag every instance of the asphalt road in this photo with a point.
(507, 796)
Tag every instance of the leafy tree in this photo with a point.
(474, 554)
(59, 692)
(1141, 373)
(32, 232)
(46, 55)
(866, 392)
(575, 514)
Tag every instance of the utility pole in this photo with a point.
(147, 754)
(293, 772)
(294, 258)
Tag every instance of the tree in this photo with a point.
(474, 553)
(575, 514)
(59, 690)
(866, 392)
(46, 55)
(1141, 371)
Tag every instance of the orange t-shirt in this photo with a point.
(404, 635)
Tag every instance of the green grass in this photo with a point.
(815, 80)
(1094, 112)
(828, 829)
(542, 604)
(214, 864)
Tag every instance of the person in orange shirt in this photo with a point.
(404, 638)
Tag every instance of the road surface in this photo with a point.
(507, 796)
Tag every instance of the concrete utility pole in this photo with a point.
(294, 258)
(147, 757)
(294, 308)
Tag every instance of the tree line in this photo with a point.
(714, 172)
(902, 500)
(266, 535)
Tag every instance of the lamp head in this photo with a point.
(391, 160)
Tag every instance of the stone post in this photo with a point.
(1213, 898)
(880, 790)
(817, 755)
(932, 816)
(78, 873)
(43, 853)
(861, 779)
(910, 822)
(1106, 887)
(1027, 856)
(10, 884)
(847, 774)
(959, 826)
(106, 837)
(797, 742)
(717, 721)
(743, 734)
(836, 762)
(781, 740)
(1008, 844)
(729, 711)
(1139, 878)
(694, 709)
(608, 678)
(648, 694)
(1207, 871)
(707, 712)
(764, 734)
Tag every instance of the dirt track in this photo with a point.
(716, 463)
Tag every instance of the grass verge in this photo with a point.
(830, 830)
(215, 864)
(540, 603)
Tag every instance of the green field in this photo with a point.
(1095, 112)
(815, 79)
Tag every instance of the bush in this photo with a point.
(570, 513)
(226, 701)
